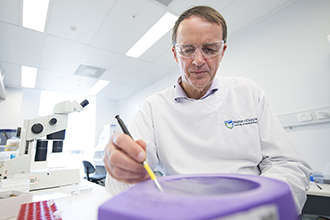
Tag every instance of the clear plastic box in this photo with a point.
(10, 202)
(8, 155)
(78, 189)
(19, 184)
(321, 180)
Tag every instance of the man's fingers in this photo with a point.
(127, 176)
(123, 159)
(128, 145)
(142, 144)
(120, 159)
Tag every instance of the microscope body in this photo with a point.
(31, 161)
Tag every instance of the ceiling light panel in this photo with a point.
(28, 77)
(163, 45)
(35, 14)
(98, 86)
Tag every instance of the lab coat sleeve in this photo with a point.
(280, 159)
(114, 187)
(142, 127)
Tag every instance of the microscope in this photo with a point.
(31, 161)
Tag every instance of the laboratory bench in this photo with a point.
(318, 200)
(84, 205)
(79, 202)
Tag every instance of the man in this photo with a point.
(205, 124)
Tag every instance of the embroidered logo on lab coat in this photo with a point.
(229, 124)
(249, 121)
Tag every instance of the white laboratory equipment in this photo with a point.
(31, 161)
(103, 140)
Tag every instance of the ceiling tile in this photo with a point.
(120, 32)
(61, 55)
(78, 84)
(12, 74)
(180, 6)
(148, 75)
(166, 59)
(10, 11)
(122, 91)
(249, 10)
(20, 45)
(99, 58)
(123, 69)
(51, 80)
(110, 88)
(77, 19)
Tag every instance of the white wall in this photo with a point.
(10, 108)
(128, 107)
(30, 105)
(288, 55)
(313, 143)
(19, 104)
(106, 110)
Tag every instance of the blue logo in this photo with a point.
(229, 124)
(243, 122)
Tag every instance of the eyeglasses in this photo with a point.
(208, 49)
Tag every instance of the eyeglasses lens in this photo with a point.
(208, 50)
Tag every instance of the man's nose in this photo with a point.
(198, 58)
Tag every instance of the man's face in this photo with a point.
(198, 71)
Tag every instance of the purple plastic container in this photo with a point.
(203, 196)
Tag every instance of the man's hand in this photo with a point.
(123, 159)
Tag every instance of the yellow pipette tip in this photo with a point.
(152, 175)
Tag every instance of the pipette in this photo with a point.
(145, 163)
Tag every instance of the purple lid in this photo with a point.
(200, 196)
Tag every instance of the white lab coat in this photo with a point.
(233, 130)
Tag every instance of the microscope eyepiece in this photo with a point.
(84, 103)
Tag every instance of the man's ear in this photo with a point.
(174, 55)
(223, 51)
